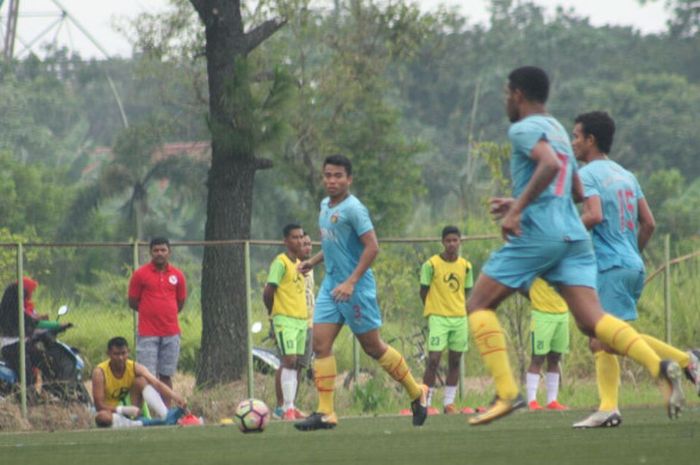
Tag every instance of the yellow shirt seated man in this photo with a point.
(118, 377)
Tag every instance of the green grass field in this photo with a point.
(646, 437)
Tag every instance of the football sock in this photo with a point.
(431, 391)
(532, 380)
(625, 340)
(289, 387)
(491, 342)
(154, 401)
(120, 421)
(325, 371)
(552, 383)
(667, 351)
(394, 364)
(607, 370)
(450, 392)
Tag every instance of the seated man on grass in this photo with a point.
(118, 377)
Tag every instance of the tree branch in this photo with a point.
(259, 34)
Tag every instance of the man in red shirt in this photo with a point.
(157, 291)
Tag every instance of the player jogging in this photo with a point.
(549, 337)
(445, 279)
(348, 295)
(285, 299)
(621, 223)
(545, 237)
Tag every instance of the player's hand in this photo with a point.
(499, 206)
(179, 401)
(343, 291)
(304, 267)
(510, 225)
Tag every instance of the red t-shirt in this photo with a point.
(158, 293)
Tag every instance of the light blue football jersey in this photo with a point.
(615, 238)
(552, 215)
(341, 227)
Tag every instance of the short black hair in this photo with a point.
(447, 230)
(287, 230)
(531, 81)
(600, 125)
(159, 241)
(116, 342)
(339, 160)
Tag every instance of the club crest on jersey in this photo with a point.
(452, 282)
(334, 218)
(172, 279)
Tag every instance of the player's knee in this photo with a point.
(374, 350)
(321, 349)
(536, 363)
(553, 359)
(595, 345)
(289, 362)
(103, 419)
(140, 383)
(433, 361)
(453, 364)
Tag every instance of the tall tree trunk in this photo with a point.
(230, 187)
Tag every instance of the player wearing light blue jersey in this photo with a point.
(621, 225)
(348, 295)
(545, 237)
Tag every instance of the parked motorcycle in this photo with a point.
(60, 366)
(265, 360)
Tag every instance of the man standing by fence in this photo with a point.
(445, 280)
(157, 291)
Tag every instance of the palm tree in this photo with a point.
(138, 161)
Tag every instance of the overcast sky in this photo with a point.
(98, 16)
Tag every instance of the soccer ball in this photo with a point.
(252, 416)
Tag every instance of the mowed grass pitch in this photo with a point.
(646, 437)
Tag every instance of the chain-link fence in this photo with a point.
(92, 280)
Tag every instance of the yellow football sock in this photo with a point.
(607, 371)
(666, 351)
(325, 371)
(394, 364)
(491, 342)
(625, 340)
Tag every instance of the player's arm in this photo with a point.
(274, 278)
(307, 265)
(269, 296)
(181, 296)
(371, 248)
(159, 386)
(98, 391)
(426, 277)
(647, 224)
(423, 293)
(548, 165)
(134, 292)
(592, 211)
(577, 191)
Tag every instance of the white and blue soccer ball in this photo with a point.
(252, 416)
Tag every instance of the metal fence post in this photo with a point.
(135, 315)
(22, 346)
(461, 377)
(667, 286)
(248, 317)
(356, 360)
